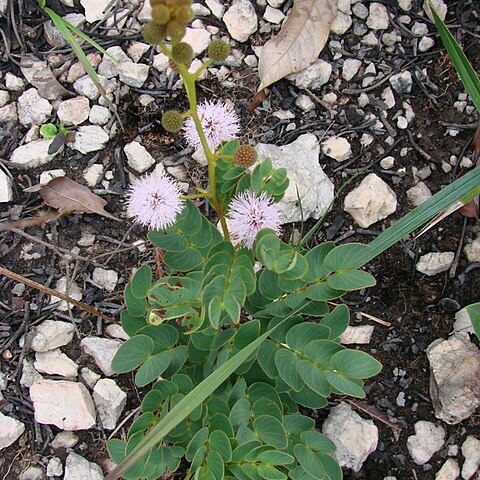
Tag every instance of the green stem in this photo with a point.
(189, 82)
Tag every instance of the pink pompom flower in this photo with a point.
(248, 214)
(154, 201)
(219, 121)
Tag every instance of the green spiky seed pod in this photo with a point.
(154, 33)
(183, 2)
(182, 53)
(175, 30)
(245, 156)
(161, 14)
(218, 50)
(157, 2)
(184, 14)
(172, 121)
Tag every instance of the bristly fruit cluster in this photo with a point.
(169, 18)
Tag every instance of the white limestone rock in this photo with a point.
(462, 326)
(74, 111)
(357, 335)
(133, 74)
(69, 288)
(338, 148)
(54, 362)
(110, 401)
(85, 86)
(116, 331)
(78, 468)
(350, 68)
(14, 83)
(94, 9)
(11, 430)
(29, 374)
(241, 20)
(455, 392)
(161, 62)
(305, 103)
(341, 23)
(312, 77)
(315, 189)
(426, 43)
(64, 439)
(440, 8)
(427, 440)
(92, 174)
(102, 350)
(378, 18)
(354, 437)
(89, 377)
(216, 7)
(471, 452)
(90, 138)
(108, 67)
(9, 113)
(4, 97)
(54, 467)
(435, 262)
(402, 82)
(6, 192)
(106, 279)
(99, 115)
(33, 154)
(449, 471)
(68, 405)
(32, 108)
(48, 175)
(138, 157)
(274, 15)
(198, 39)
(51, 334)
(371, 201)
(137, 50)
(472, 250)
(418, 194)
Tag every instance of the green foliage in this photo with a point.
(188, 327)
(474, 313)
(464, 68)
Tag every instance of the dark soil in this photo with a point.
(419, 309)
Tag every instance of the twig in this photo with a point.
(50, 291)
(48, 245)
(375, 319)
(453, 268)
(417, 147)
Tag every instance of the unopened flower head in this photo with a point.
(248, 214)
(154, 201)
(219, 121)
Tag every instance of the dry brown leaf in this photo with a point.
(68, 197)
(299, 42)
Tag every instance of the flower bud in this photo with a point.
(172, 121)
(245, 156)
(218, 50)
(160, 14)
(182, 53)
(175, 30)
(184, 14)
(154, 33)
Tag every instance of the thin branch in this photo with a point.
(50, 291)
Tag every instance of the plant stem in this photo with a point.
(189, 83)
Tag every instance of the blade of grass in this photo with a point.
(465, 188)
(464, 68)
(68, 36)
